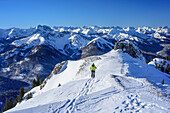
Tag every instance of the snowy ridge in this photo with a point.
(44, 46)
(117, 87)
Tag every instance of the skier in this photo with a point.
(93, 67)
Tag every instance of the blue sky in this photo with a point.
(29, 13)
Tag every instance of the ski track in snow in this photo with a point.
(69, 107)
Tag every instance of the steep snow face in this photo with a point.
(32, 40)
(79, 41)
(122, 84)
(59, 42)
(20, 42)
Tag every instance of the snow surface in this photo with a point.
(122, 84)
(36, 37)
(59, 42)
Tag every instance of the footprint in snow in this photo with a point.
(131, 104)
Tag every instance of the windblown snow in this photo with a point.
(122, 84)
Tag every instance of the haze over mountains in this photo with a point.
(27, 53)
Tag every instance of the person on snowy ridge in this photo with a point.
(93, 67)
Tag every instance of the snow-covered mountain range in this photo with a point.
(27, 53)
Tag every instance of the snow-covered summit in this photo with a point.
(122, 84)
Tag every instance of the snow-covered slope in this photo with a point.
(122, 84)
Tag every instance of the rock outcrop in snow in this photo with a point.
(128, 47)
